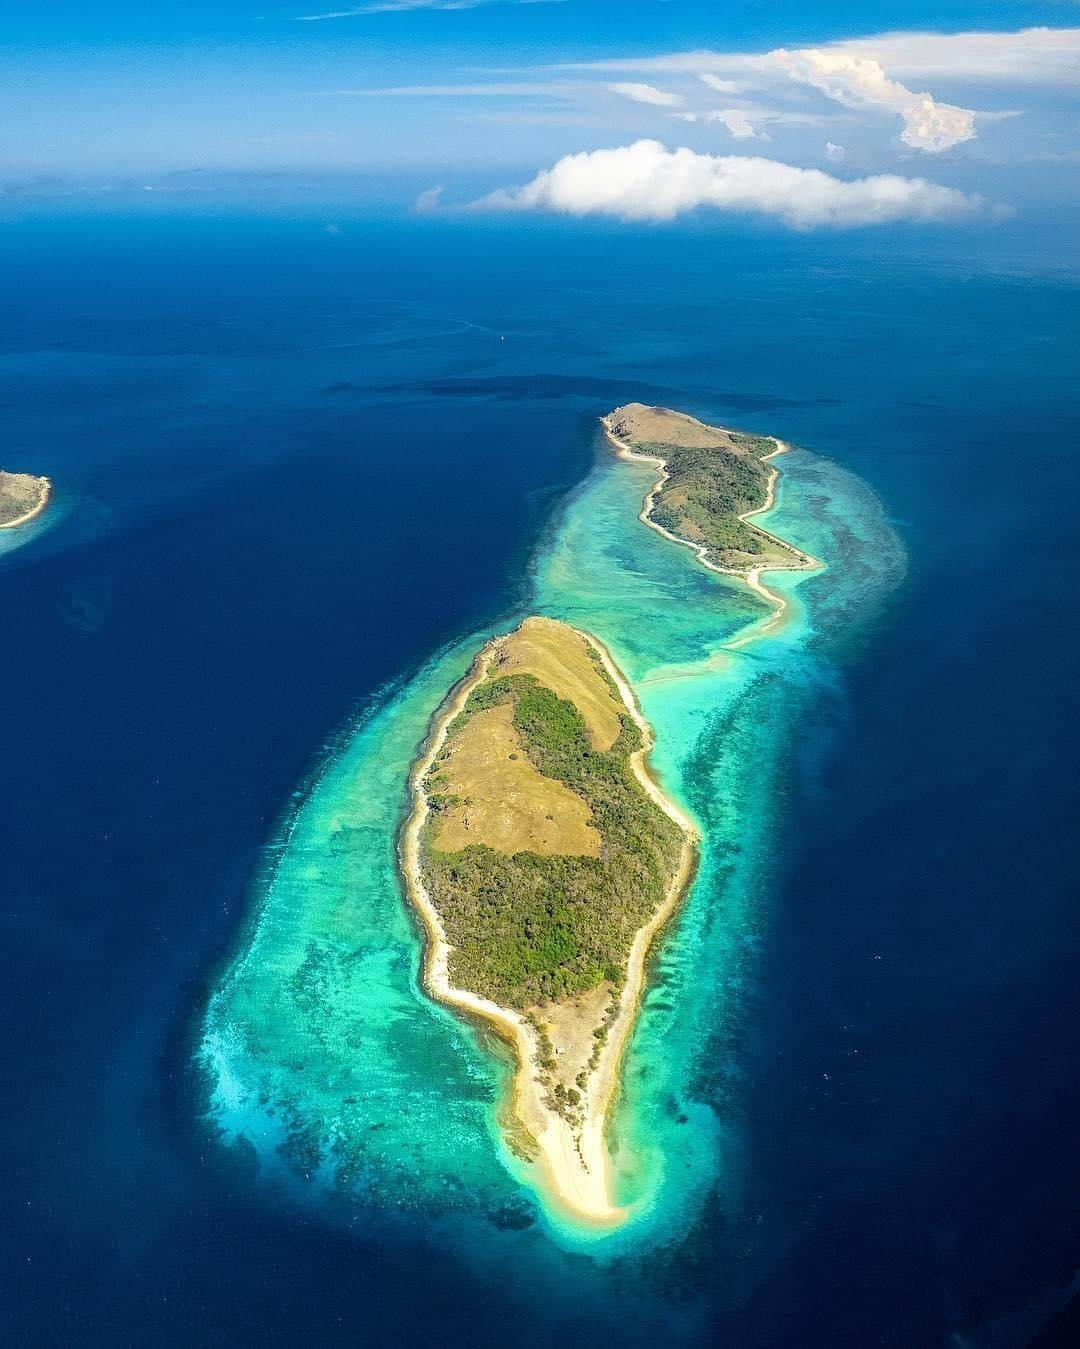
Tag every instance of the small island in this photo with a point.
(711, 482)
(543, 860)
(23, 497)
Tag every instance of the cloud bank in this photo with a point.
(647, 181)
(1046, 56)
(1043, 56)
(874, 74)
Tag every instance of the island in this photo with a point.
(711, 482)
(543, 860)
(23, 497)
(540, 854)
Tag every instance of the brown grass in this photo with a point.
(20, 493)
(635, 422)
(560, 659)
(504, 801)
(569, 1026)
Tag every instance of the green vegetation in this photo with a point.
(526, 928)
(708, 489)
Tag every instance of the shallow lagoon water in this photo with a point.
(322, 1053)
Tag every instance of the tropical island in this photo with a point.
(711, 482)
(543, 860)
(541, 856)
(23, 497)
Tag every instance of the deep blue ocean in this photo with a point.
(294, 460)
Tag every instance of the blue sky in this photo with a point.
(498, 93)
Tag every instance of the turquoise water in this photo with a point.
(327, 1063)
(11, 539)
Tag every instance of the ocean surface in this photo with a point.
(302, 473)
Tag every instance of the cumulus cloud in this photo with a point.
(860, 81)
(647, 181)
(834, 152)
(646, 93)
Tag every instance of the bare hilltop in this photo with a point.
(22, 497)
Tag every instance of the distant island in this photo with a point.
(22, 498)
(539, 852)
(711, 482)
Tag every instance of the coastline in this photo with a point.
(42, 503)
(576, 1171)
(750, 575)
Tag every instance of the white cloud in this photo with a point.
(504, 90)
(834, 152)
(720, 86)
(646, 181)
(1029, 56)
(888, 73)
(387, 7)
(646, 93)
(738, 123)
(428, 200)
(860, 81)
(401, 6)
(749, 120)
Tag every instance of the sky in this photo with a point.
(817, 115)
